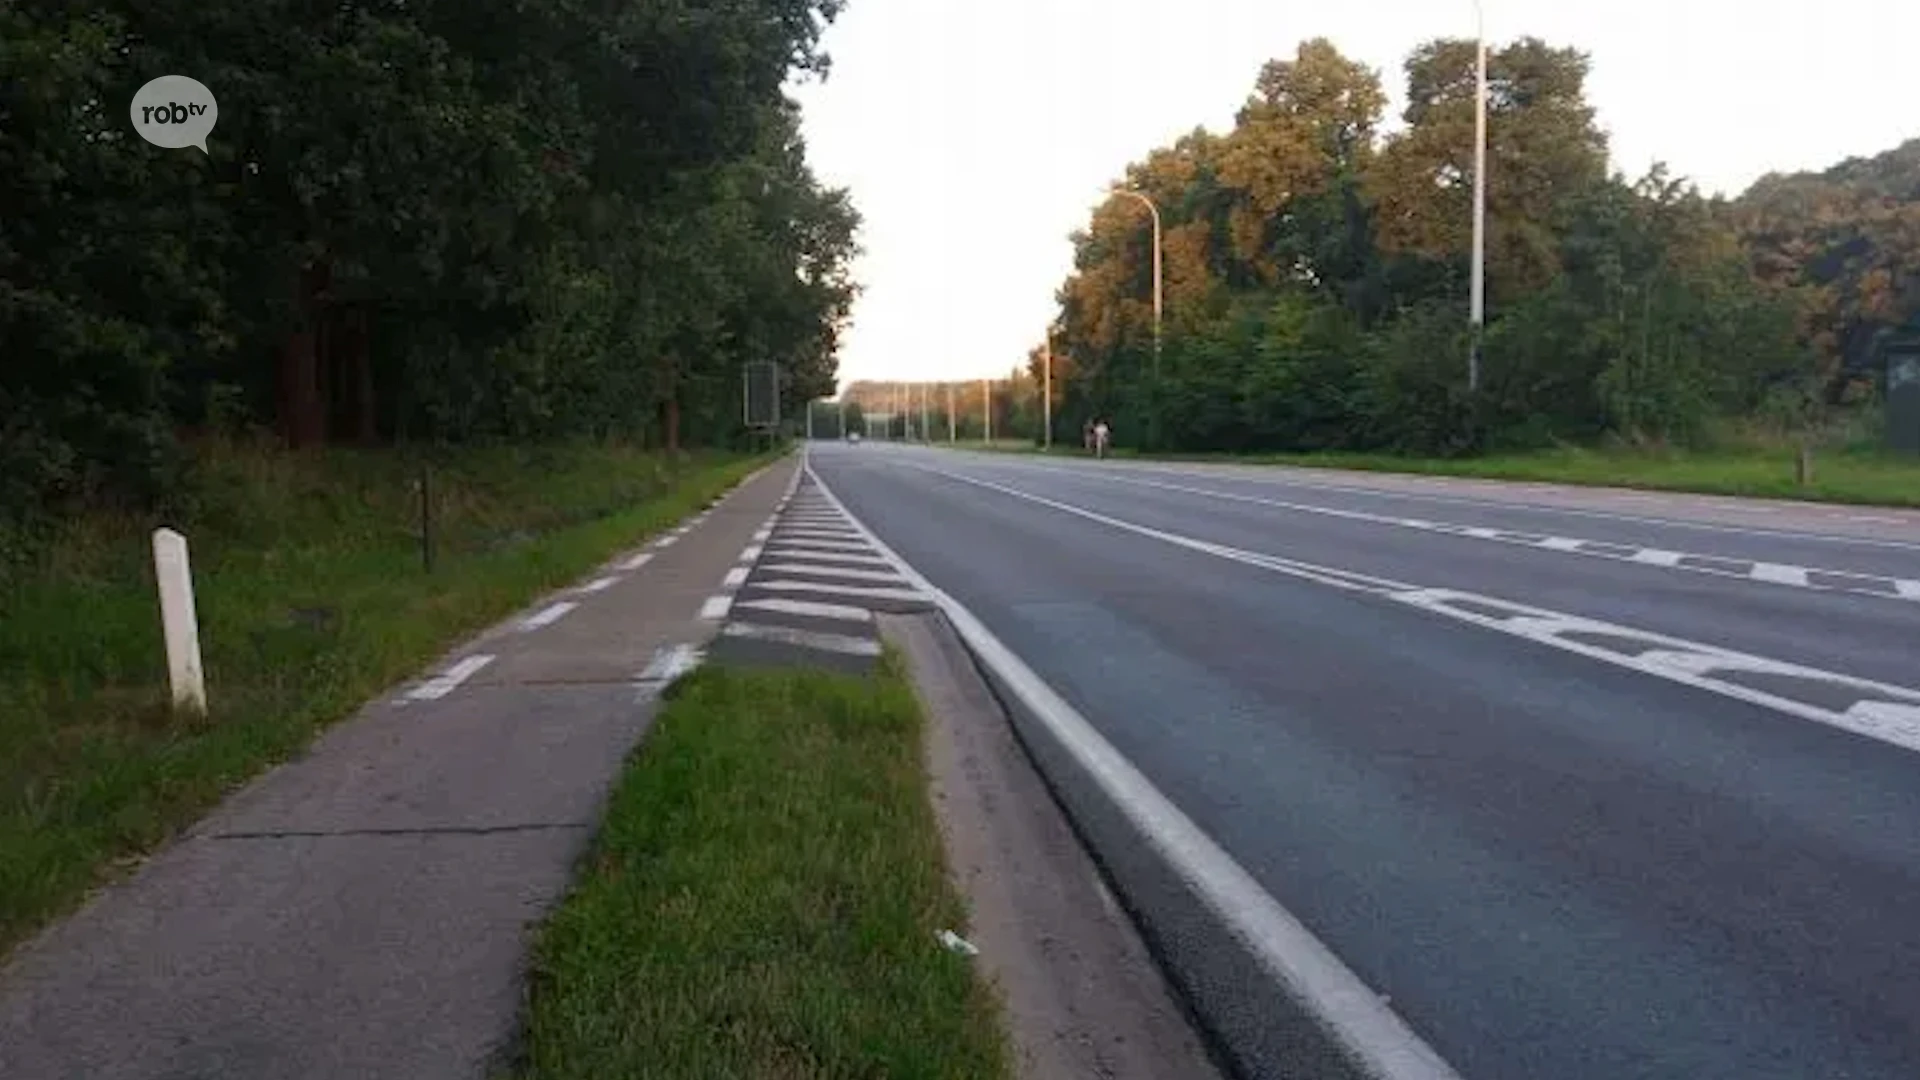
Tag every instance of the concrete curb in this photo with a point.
(1275, 999)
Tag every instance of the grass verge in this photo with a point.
(312, 599)
(763, 898)
(1858, 477)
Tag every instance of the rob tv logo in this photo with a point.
(174, 111)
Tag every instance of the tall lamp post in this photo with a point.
(1154, 212)
(1476, 315)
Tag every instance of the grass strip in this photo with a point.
(312, 600)
(763, 898)
(1850, 477)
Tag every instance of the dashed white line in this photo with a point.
(750, 553)
(1779, 574)
(810, 609)
(716, 606)
(600, 584)
(442, 685)
(735, 576)
(635, 562)
(805, 639)
(549, 615)
(665, 541)
(1657, 557)
(760, 535)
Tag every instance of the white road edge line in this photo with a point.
(548, 615)
(1387, 1047)
(635, 562)
(750, 553)
(716, 606)
(665, 541)
(735, 576)
(441, 685)
(600, 583)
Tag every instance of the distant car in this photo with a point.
(853, 436)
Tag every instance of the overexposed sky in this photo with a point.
(976, 135)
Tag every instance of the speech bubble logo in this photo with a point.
(174, 111)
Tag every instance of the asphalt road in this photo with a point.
(1661, 819)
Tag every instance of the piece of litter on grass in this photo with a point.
(955, 943)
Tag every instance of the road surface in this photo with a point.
(1587, 785)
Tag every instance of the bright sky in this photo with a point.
(977, 134)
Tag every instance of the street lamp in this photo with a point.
(1155, 212)
(1476, 315)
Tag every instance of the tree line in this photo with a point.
(1316, 275)
(419, 220)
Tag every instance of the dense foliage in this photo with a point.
(420, 219)
(1317, 275)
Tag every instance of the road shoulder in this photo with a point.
(1083, 995)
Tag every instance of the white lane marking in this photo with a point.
(681, 530)
(805, 639)
(1909, 590)
(750, 553)
(665, 541)
(635, 562)
(734, 577)
(1843, 581)
(760, 535)
(825, 570)
(443, 684)
(1293, 957)
(1675, 659)
(819, 534)
(715, 606)
(549, 615)
(821, 545)
(1875, 519)
(670, 662)
(870, 592)
(599, 584)
(846, 557)
(1657, 557)
(1779, 574)
(814, 609)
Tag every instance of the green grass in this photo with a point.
(1839, 476)
(762, 901)
(312, 599)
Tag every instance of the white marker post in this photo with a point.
(178, 621)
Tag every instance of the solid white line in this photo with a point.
(1292, 956)
(1567, 544)
(810, 608)
(750, 553)
(735, 576)
(670, 662)
(848, 572)
(716, 606)
(871, 592)
(444, 684)
(805, 639)
(1112, 472)
(1671, 658)
(599, 584)
(547, 616)
(635, 562)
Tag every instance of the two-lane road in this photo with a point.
(1586, 790)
